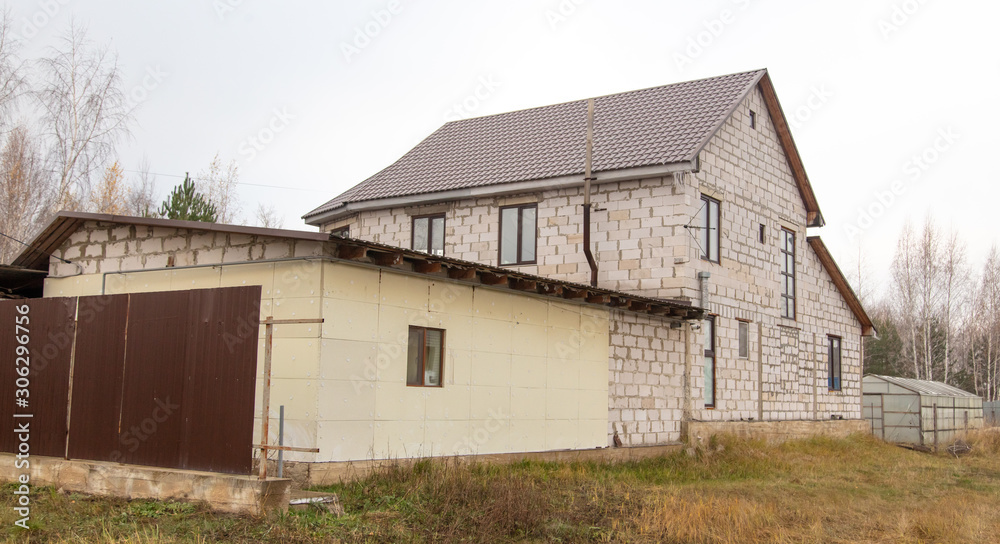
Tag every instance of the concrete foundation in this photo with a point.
(776, 431)
(311, 474)
(223, 492)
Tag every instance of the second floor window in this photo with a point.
(708, 223)
(428, 234)
(518, 226)
(787, 273)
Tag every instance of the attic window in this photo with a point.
(753, 119)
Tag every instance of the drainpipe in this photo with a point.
(703, 287)
(587, 178)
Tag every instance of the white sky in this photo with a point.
(884, 79)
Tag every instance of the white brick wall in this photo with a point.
(642, 247)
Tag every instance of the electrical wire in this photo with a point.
(34, 248)
(238, 182)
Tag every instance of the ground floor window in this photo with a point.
(834, 379)
(744, 340)
(424, 357)
(709, 362)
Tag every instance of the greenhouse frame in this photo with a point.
(919, 412)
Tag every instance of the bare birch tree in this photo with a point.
(26, 191)
(84, 111)
(904, 282)
(268, 217)
(955, 283)
(220, 183)
(12, 71)
(141, 201)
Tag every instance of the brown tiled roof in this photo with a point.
(648, 127)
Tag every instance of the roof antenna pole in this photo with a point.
(587, 178)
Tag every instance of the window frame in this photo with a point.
(788, 300)
(520, 235)
(705, 240)
(835, 349)
(710, 353)
(430, 232)
(742, 340)
(342, 232)
(422, 355)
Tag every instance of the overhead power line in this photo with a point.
(238, 182)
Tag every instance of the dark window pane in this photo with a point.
(703, 223)
(528, 228)
(413, 353)
(433, 354)
(420, 234)
(709, 381)
(713, 233)
(744, 339)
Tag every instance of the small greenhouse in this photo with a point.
(922, 412)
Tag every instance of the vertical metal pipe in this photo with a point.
(281, 440)
(266, 411)
(587, 178)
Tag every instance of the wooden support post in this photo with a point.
(265, 416)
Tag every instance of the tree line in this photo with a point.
(62, 117)
(940, 318)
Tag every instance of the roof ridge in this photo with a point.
(607, 95)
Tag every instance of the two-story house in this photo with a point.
(697, 194)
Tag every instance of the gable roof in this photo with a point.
(840, 281)
(645, 128)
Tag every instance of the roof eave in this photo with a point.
(501, 189)
(840, 281)
(814, 217)
(36, 255)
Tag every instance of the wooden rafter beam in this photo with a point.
(522, 284)
(638, 306)
(489, 278)
(598, 298)
(618, 302)
(351, 253)
(569, 292)
(549, 289)
(427, 267)
(461, 272)
(386, 258)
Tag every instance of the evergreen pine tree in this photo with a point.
(187, 204)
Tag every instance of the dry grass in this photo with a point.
(818, 490)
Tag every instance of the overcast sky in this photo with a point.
(891, 101)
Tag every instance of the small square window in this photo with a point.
(744, 339)
(425, 357)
